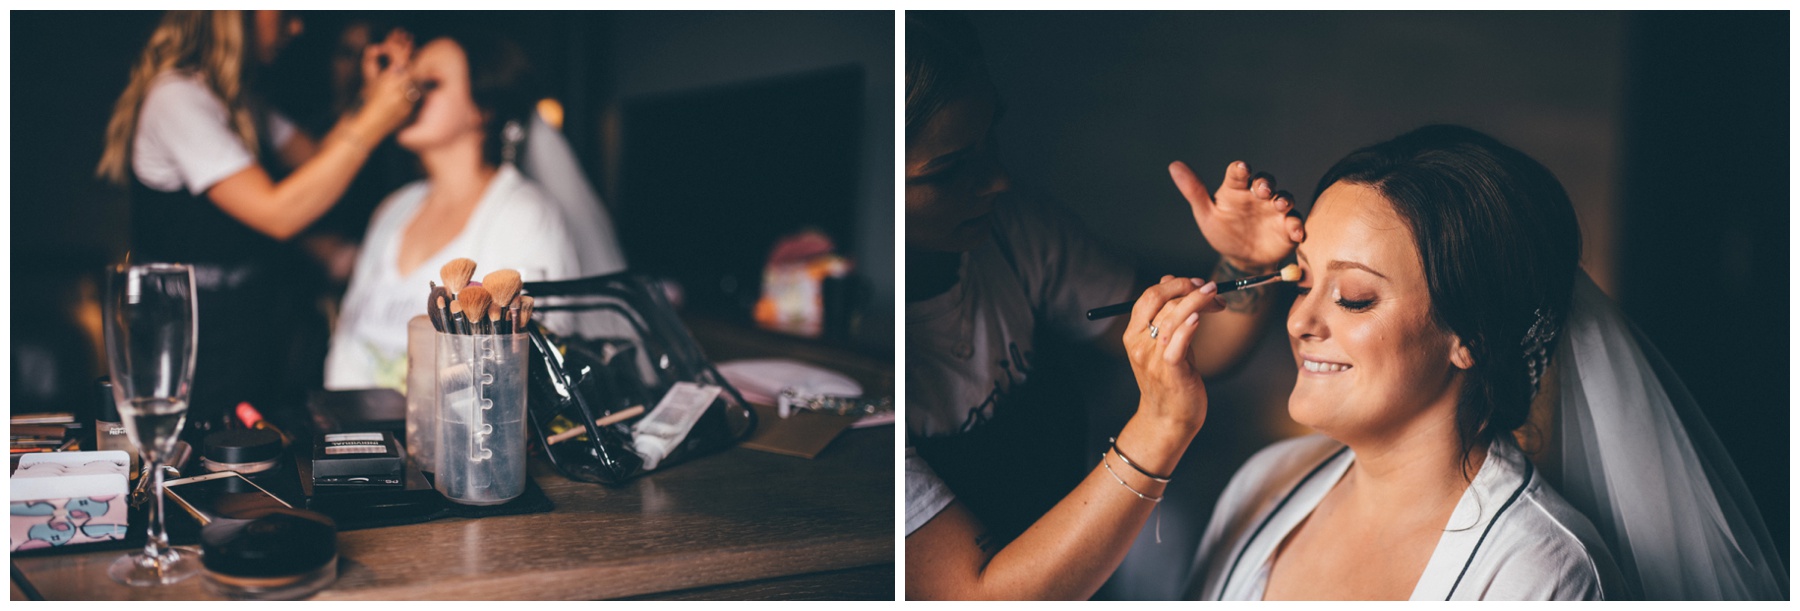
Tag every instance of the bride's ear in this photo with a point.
(1460, 355)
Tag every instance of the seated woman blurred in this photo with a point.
(199, 151)
(1442, 277)
(473, 203)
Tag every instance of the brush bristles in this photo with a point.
(456, 274)
(495, 312)
(475, 302)
(502, 285)
(456, 308)
(1291, 273)
(525, 305)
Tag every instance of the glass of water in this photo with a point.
(151, 326)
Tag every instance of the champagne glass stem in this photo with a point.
(156, 544)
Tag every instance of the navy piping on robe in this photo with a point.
(1272, 513)
(1490, 527)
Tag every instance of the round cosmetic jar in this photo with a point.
(283, 554)
(245, 451)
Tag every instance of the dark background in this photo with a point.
(739, 125)
(1669, 131)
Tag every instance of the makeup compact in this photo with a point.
(282, 554)
(246, 451)
(358, 460)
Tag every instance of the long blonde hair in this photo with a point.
(210, 43)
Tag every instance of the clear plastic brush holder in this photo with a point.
(481, 417)
(421, 393)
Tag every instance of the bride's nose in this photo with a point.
(1304, 321)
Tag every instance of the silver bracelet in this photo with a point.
(1115, 448)
(1115, 475)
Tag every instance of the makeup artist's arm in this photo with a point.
(1254, 228)
(1070, 551)
(281, 210)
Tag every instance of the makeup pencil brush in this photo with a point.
(456, 275)
(434, 307)
(457, 323)
(497, 320)
(525, 305)
(475, 302)
(503, 286)
(1291, 273)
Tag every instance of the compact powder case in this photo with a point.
(283, 554)
(245, 451)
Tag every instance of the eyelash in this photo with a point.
(1347, 304)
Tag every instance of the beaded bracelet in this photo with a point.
(1115, 475)
(1164, 479)
(1156, 500)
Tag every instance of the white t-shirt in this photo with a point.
(184, 136)
(1511, 537)
(969, 347)
(514, 226)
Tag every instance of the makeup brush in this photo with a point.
(457, 323)
(1291, 273)
(525, 305)
(456, 275)
(497, 320)
(503, 286)
(434, 307)
(475, 302)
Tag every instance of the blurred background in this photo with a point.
(1669, 131)
(708, 135)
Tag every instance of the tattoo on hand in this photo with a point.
(1246, 301)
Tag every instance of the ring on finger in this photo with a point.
(1152, 331)
(413, 93)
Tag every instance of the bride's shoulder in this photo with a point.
(1551, 548)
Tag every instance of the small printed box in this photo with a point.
(69, 498)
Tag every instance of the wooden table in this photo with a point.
(740, 524)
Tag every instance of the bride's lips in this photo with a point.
(1319, 366)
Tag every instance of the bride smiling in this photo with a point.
(1437, 265)
(1442, 297)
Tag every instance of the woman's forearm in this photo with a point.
(282, 210)
(1070, 551)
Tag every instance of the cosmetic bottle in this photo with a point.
(109, 428)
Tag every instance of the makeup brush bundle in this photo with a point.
(490, 307)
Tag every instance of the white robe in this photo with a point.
(1511, 537)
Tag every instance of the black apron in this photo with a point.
(254, 299)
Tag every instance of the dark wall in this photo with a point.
(1668, 131)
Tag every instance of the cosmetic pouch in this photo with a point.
(603, 346)
(69, 498)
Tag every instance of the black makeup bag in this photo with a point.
(601, 346)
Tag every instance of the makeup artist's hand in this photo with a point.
(1251, 224)
(388, 94)
(1171, 392)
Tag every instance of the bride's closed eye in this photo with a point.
(1351, 305)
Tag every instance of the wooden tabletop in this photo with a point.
(759, 524)
(739, 524)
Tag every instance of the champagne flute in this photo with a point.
(151, 327)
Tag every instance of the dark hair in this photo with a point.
(500, 82)
(1500, 246)
(942, 58)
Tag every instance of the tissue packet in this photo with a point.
(69, 498)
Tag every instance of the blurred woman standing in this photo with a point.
(196, 147)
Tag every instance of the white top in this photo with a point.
(184, 136)
(969, 347)
(514, 226)
(1511, 537)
